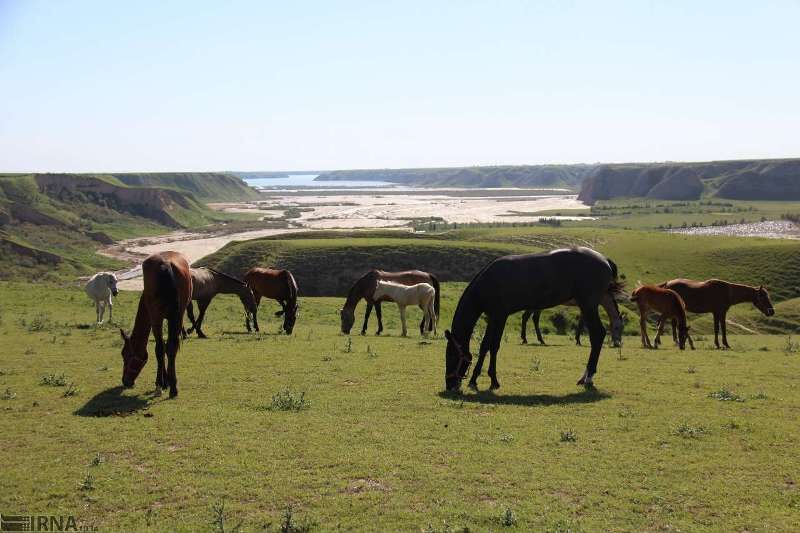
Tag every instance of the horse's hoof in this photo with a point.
(589, 386)
(494, 386)
(524, 341)
(173, 393)
(472, 385)
(157, 391)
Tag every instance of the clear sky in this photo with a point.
(164, 85)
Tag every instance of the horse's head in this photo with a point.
(348, 318)
(683, 334)
(457, 362)
(616, 333)
(248, 300)
(132, 363)
(762, 302)
(290, 317)
(111, 279)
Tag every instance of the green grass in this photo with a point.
(378, 446)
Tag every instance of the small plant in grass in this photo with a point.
(732, 424)
(790, 346)
(71, 390)
(97, 460)
(688, 431)
(691, 370)
(289, 525)
(725, 395)
(506, 437)
(508, 518)
(8, 395)
(760, 395)
(764, 349)
(219, 520)
(40, 322)
(29, 351)
(536, 366)
(288, 400)
(371, 353)
(348, 345)
(568, 436)
(53, 380)
(88, 483)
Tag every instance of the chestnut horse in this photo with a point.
(167, 292)
(278, 285)
(533, 281)
(669, 304)
(364, 288)
(717, 296)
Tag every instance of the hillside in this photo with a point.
(55, 222)
(777, 179)
(560, 176)
(205, 186)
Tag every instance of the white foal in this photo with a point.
(101, 288)
(421, 294)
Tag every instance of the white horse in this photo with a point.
(421, 294)
(101, 288)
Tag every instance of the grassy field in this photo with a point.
(355, 433)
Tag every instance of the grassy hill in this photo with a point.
(764, 179)
(204, 186)
(51, 224)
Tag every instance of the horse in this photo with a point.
(421, 294)
(364, 288)
(100, 288)
(167, 292)
(608, 303)
(667, 302)
(278, 285)
(207, 283)
(717, 296)
(532, 281)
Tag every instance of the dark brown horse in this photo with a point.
(167, 292)
(609, 303)
(716, 297)
(533, 281)
(364, 288)
(207, 283)
(278, 285)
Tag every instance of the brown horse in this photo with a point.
(717, 296)
(364, 288)
(167, 292)
(669, 304)
(206, 284)
(278, 285)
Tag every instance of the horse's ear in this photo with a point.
(760, 287)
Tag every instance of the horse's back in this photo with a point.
(269, 282)
(166, 276)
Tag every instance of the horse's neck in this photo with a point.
(227, 285)
(357, 291)
(611, 309)
(141, 328)
(466, 316)
(740, 293)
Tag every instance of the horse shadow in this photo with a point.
(111, 402)
(545, 400)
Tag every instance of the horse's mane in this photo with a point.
(224, 275)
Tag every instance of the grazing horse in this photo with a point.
(278, 285)
(421, 294)
(207, 283)
(364, 288)
(608, 303)
(533, 281)
(100, 288)
(717, 296)
(669, 304)
(167, 292)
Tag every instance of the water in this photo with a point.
(307, 180)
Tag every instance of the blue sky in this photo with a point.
(145, 86)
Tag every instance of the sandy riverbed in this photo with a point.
(771, 229)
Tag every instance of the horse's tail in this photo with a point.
(437, 293)
(167, 289)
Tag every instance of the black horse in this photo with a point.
(533, 281)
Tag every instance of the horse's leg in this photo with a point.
(476, 372)
(689, 338)
(257, 298)
(578, 330)
(379, 315)
(723, 322)
(201, 308)
(366, 319)
(190, 315)
(494, 347)
(716, 329)
(173, 342)
(659, 330)
(97, 312)
(402, 309)
(523, 329)
(674, 324)
(425, 319)
(161, 373)
(110, 309)
(536, 316)
(597, 334)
